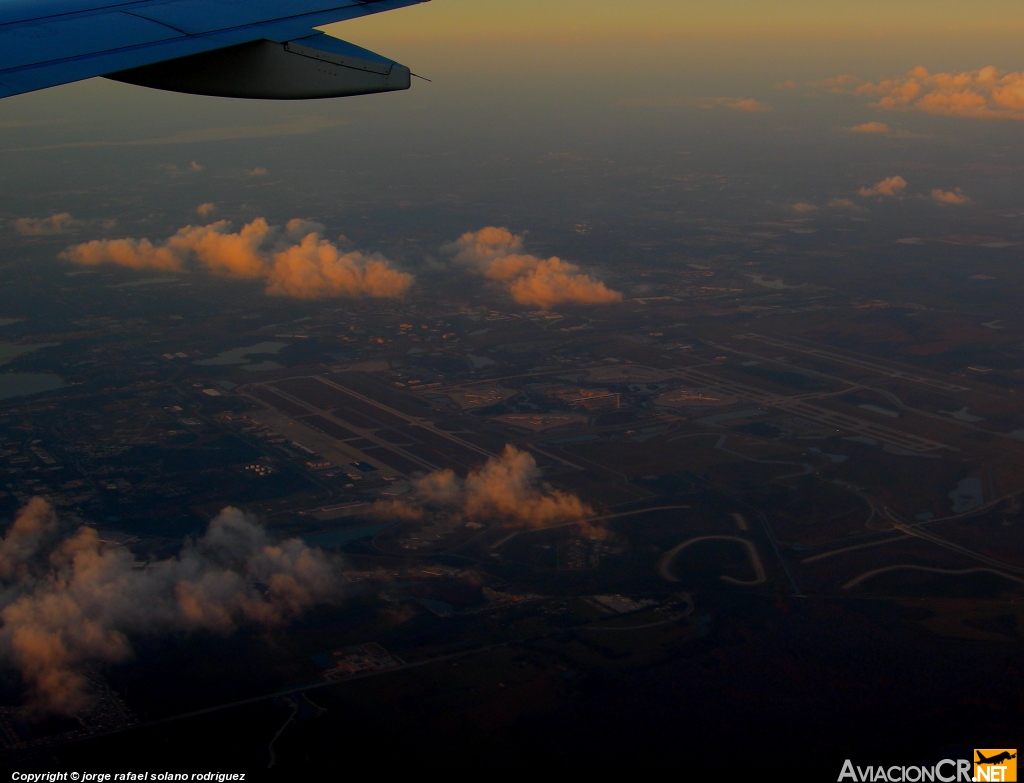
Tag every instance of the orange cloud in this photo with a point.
(508, 489)
(132, 253)
(839, 83)
(682, 101)
(740, 104)
(70, 601)
(987, 93)
(316, 269)
(870, 127)
(499, 255)
(554, 281)
(890, 186)
(803, 206)
(294, 261)
(845, 203)
(954, 196)
(225, 253)
(205, 210)
(62, 223)
(747, 104)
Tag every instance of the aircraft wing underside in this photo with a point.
(202, 46)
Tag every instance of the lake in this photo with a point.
(18, 384)
(241, 355)
(9, 351)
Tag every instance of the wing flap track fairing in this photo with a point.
(317, 66)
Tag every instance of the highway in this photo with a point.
(834, 552)
(917, 530)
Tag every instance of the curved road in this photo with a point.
(909, 567)
(665, 563)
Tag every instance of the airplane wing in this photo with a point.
(236, 48)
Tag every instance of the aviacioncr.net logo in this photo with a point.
(995, 764)
(946, 771)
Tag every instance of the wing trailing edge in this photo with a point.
(44, 43)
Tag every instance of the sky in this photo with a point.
(515, 20)
(731, 35)
(541, 116)
(677, 47)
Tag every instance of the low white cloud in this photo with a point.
(871, 127)
(499, 255)
(508, 489)
(985, 94)
(954, 196)
(890, 187)
(68, 601)
(62, 223)
(293, 260)
(745, 104)
(846, 203)
(839, 84)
